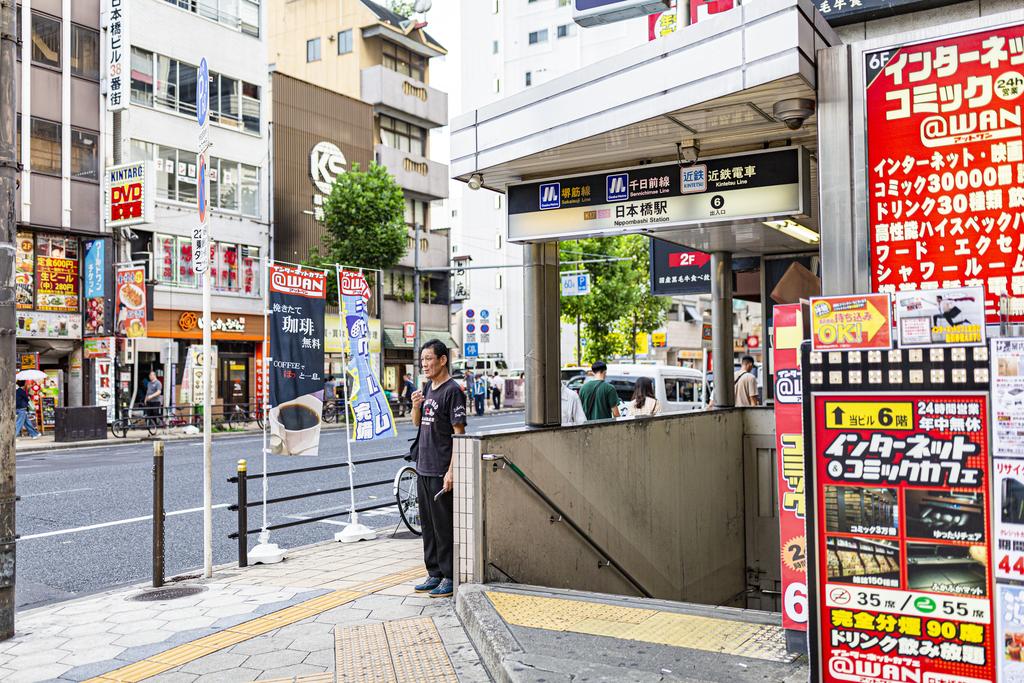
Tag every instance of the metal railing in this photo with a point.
(563, 517)
(162, 418)
(242, 506)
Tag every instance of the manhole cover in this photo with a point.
(169, 593)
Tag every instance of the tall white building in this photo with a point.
(512, 45)
(168, 39)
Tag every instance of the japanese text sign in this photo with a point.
(118, 55)
(56, 284)
(298, 299)
(946, 164)
(678, 270)
(860, 322)
(130, 192)
(1007, 377)
(902, 529)
(941, 317)
(1010, 620)
(789, 444)
(131, 302)
(369, 405)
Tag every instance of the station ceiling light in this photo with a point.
(790, 227)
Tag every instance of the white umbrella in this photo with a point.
(31, 375)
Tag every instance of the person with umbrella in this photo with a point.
(21, 405)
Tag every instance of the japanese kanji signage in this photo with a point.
(941, 317)
(760, 185)
(902, 531)
(1007, 377)
(678, 270)
(56, 284)
(859, 322)
(787, 322)
(130, 192)
(118, 55)
(841, 12)
(298, 298)
(370, 408)
(946, 164)
(662, 24)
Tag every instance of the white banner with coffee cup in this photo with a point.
(298, 299)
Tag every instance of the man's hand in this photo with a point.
(417, 399)
(449, 481)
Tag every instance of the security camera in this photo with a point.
(793, 112)
(475, 181)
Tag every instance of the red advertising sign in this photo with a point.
(661, 24)
(902, 531)
(702, 9)
(946, 164)
(130, 301)
(861, 322)
(789, 444)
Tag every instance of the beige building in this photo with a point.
(361, 49)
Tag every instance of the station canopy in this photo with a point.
(714, 85)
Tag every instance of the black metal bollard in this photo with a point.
(243, 516)
(158, 514)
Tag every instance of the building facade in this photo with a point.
(363, 50)
(159, 127)
(58, 204)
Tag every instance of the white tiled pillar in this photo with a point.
(467, 455)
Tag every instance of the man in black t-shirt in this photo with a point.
(439, 411)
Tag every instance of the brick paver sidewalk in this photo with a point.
(298, 618)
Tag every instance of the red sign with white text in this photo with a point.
(946, 164)
(702, 9)
(902, 531)
(789, 444)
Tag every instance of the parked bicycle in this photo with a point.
(331, 411)
(406, 497)
(243, 415)
(138, 418)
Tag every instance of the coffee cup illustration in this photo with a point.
(295, 426)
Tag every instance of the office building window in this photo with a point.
(249, 16)
(566, 30)
(249, 185)
(416, 212)
(344, 42)
(403, 136)
(142, 77)
(313, 50)
(175, 85)
(45, 40)
(540, 36)
(45, 142)
(224, 184)
(85, 52)
(84, 158)
(529, 78)
(234, 267)
(407, 63)
(241, 15)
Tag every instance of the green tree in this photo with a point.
(402, 7)
(364, 222)
(620, 303)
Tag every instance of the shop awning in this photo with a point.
(393, 338)
(716, 82)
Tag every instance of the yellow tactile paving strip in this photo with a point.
(723, 636)
(182, 654)
(400, 651)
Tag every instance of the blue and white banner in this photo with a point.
(368, 403)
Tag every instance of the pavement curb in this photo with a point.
(487, 631)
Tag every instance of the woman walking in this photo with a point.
(643, 401)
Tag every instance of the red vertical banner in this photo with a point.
(787, 325)
(902, 532)
(946, 164)
(261, 377)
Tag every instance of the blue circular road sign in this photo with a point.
(203, 92)
(485, 328)
(485, 314)
(470, 313)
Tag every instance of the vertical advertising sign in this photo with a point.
(678, 270)
(941, 317)
(1010, 621)
(945, 164)
(788, 328)
(902, 536)
(1007, 378)
(130, 300)
(369, 405)
(24, 271)
(297, 302)
(201, 233)
(98, 310)
(118, 55)
(101, 351)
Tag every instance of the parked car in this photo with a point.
(678, 389)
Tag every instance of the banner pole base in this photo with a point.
(266, 553)
(355, 532)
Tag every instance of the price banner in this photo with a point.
(902, 536)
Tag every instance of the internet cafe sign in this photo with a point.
(756, 186)
(326, 162)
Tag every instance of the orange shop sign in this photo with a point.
(860, 322)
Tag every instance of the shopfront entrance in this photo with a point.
(233, 374)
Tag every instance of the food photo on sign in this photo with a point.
(131, 302)
(941, 317)
(298, 300)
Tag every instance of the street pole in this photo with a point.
(8, 189)
(579, 350)
(201, 259)
(416, 306)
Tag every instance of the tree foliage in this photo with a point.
(620, 302)
(402, 7)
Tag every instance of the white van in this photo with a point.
(678, 389)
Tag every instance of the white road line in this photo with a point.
(118, 522)
(52, 493)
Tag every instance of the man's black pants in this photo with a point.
(437, 521)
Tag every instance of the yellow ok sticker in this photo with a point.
(864, 415)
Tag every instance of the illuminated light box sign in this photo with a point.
(129, 194)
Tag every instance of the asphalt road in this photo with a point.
(85, 522)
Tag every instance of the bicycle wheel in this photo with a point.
(408, 502)
(330, 412)
(119, 428)
(153, 424)
(239, 419)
